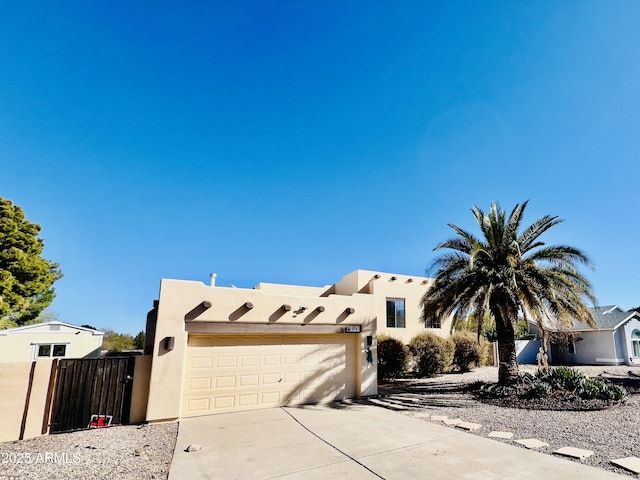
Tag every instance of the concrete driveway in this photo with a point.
(353, 441)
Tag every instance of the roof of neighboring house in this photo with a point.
(54, 323)
(608, 317)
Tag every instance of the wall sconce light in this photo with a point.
(248, 305)
(169, 343)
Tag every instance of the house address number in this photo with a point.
(352, 329)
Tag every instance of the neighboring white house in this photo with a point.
(49, 340)
(614, 341)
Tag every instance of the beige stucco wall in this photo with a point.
(14, 384)
(140, 389)
(382, 285)
(17, 346)
(297, 290)
(179, 299)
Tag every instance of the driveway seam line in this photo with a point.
(331, 445)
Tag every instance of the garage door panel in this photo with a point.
(201, 362)
(225, 362)
(227, 373)
(221, 403)
(200, 383)
(225, 382)
(271, 359)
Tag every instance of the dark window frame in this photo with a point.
(396, 317)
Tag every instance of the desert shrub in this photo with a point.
(486, 353)
(527, 378)
(432, 354)
(573, 383)
(540, 389)
(393, 356)
(564, 378)
(467, 350)
(601, 389)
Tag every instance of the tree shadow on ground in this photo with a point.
(419, 395)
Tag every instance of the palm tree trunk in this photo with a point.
(508, 367)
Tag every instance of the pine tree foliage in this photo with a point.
(26, 278)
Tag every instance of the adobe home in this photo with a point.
(222, 349)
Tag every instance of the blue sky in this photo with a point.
(295, 142)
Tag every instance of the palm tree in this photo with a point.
(507, 274)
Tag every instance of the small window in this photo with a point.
(44, 350)
(433, 323)
(59, 350)
(48, 350)
(395, 313)
(636, 348)
(571, 348)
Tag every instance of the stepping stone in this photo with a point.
(469, 426)
(572, 452)
(532, 443)
(630, 463)
(439, 418)
(452, 421)
(505, 435)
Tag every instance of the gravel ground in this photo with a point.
(140, 452)
(129, 452)
(610, 434)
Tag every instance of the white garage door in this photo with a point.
(232, 373)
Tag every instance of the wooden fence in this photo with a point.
(90, 392)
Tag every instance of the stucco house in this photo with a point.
(614, 341)
(222, 349)
(49, 340)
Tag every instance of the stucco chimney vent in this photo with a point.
(213, 277)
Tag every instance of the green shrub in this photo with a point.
(393, 356)
(467, 351)
(601, 389)
(564, 378)
(574, 382)
(432, 354)
(540, 389)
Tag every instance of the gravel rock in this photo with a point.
(610, 433)
(132, 452)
